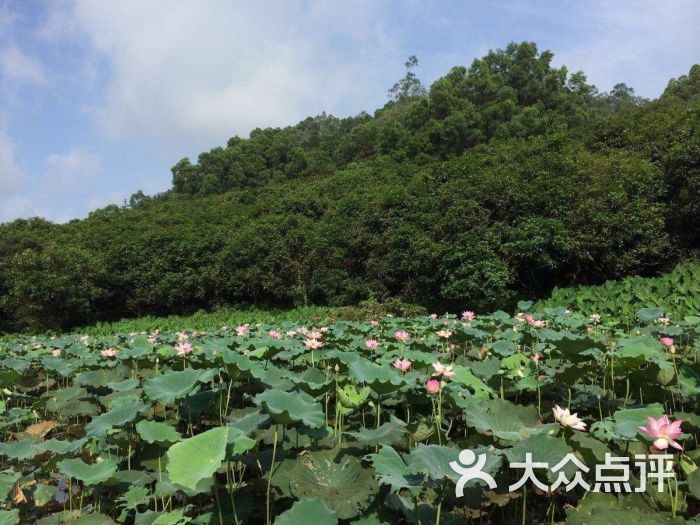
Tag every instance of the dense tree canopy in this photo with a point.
(501, 179)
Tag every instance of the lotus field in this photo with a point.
(362, 423)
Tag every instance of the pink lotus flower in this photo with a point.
(445, 371)
(315, 335)
(372, 344)
(667, 341)
(109, 352)
(182, 349)
(536, 358)
(291, 333)
(664, 432)
(56, 352)
(468, 315)
(84, 338)
(432, 386)
(402, 364)
(275, 334)
(374, 322)
(433, 316)
(664, 321)
(242, 330)
(445, 334)
(568, 419)
(589, 330)
(313, 344)
(529, 318)
(402, 336)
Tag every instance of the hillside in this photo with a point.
(501, 180)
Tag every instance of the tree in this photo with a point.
(409, 86)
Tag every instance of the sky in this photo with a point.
(99, 99)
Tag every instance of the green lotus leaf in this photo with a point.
(127, 384)
(58, 365)
(88, 474)
(381, 379)
(9, 517)
(56, 399)
(649, 314)
(7, 480)
(99, 378)
(43, 494)
(194, 405)
(546, 449)
(14, 363)
(249, 421)
(238, 364)
(291, 407)
(20, 450)
(339, 480)
(166, 488)
(198, 457)
(505, 420)
(312, 381)
(606, 509)
(464, 376)
(308, 510)
(435, 460)
(391, 469)
(92, 519)
(626, 422)
(390, 433)
(157, 432)
(350, 397)
(632, 353)
(122, 414)
(136, 495)
(62, 447)
(174, 517)
(174, 385)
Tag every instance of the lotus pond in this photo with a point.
(352, 423)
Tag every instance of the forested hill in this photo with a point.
(500, 180)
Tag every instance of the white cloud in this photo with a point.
(642, 43)
(16, 65)
(10, 174)
(13, 202)
(193, 74)
(70, 171)
(70, 181)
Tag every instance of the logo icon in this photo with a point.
(468, 473)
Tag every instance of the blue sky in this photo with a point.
(100, 98)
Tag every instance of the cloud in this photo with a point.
(643, 44)
(194, 74)
(10, 174)
(70, 171)
(14, 202)
(71, 181)
(16, 65)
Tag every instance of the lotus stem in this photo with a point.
(269, 477)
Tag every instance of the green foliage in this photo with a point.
(251, 428)
(501, 180)
(676, 295)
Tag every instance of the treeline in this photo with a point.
(501, 180)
